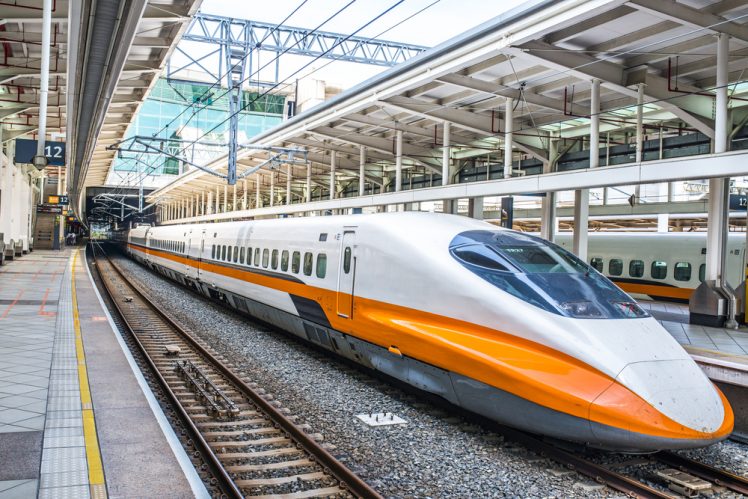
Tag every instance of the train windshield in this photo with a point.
(542, 274)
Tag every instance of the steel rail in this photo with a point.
(352, 482)
(216, 468)
(717, 476)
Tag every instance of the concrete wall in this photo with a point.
(16, 202)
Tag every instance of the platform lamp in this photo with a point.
(40, 161)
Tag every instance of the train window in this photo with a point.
(257, 257)
(249, 255)
(597, 263)
(223, 252)
(284, 261)
(295, 262)
(236, 254)
(274, 260)
(265, 258)
(636, 268)
(682, 271)
(347, 259)
(321, 265)
(659, 269)
(241, 256)
(308, 257)
(213, 251)
(615, 266)
(702, 272)
(478, 254)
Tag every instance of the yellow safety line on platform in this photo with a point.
(93, 455)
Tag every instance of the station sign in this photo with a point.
(738, 202)
(26, 150)
(57, 199)
(49, 208)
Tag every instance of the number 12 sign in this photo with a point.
(26, 150)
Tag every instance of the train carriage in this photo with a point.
(502, 323)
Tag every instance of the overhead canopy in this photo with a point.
(105, 57)
(544, 56)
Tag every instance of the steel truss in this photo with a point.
(251, 37)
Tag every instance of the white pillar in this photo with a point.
(258, 198)
(209, 210)
(548, 206)
(446, 153)
(582, 196)
(361, 170)
(475, 208)
(225, 198)
(639, 122)
(333, 167)
(272, 188)
(234, 206)
(508, 129)
(289, 176)
(398, 160)
(218, 200)
(308, 182)
(719, 188)
(244, 198)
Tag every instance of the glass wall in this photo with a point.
(176, 100)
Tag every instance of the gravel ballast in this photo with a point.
(436, 454)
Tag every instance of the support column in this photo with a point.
(508, 136)
(225, 198)
(718, 187)
(308, 182)
(475, 208)
(333, 167)
(234, 206)
(244, 199)
(258, 198)
(582, 196)
(639, 132)
(446, 153)
(289, 176)
(398, 160)
(218, 201)
(361, 170)
(210, 203)
(548, 206)
(272, 188)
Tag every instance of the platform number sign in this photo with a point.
(54, 151)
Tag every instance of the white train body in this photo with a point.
(669, 265)
(403, 294)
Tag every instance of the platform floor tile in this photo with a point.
(18, 489)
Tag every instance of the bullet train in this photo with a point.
(502, 323)
(661, 266)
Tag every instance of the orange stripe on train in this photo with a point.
(510, 363)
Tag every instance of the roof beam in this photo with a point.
(593, 22)
(583, 66)
(679, 12)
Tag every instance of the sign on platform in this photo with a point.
(57, 200)
(49, 208)
(26, 150)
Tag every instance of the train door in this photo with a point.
(187, 269)
(200, 253)
(346, 274)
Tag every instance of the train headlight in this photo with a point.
(629, 309)
(581, 309)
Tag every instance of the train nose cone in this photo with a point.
(661, 404)
(679, 390)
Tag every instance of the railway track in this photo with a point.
(249, 446)
(245, 475)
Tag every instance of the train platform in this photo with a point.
(77, 419)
